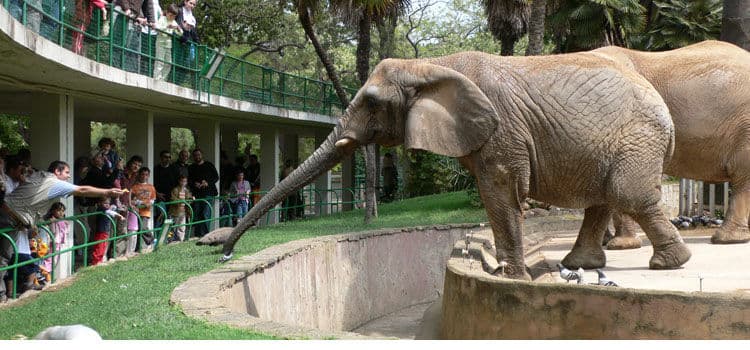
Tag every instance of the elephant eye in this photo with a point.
(372, 103)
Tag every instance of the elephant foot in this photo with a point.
(516, 272)
(585, 258)
(622, 243)
(726, 235)
(669, 256)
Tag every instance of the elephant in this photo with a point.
(573, 130)
(707, 89)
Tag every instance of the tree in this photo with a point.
(735, 27)
(536, 27)
(672, 24)
(580, 25)
(508, 21)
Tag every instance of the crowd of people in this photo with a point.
(113, 196)
(142, 32)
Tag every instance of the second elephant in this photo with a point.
(707, 89)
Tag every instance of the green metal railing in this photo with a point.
(120, 42)
(313, 205)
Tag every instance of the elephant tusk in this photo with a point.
(343, 142)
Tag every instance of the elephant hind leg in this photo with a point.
(625, 236)
(587, 251)
(640, 199)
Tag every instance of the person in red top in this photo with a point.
(143, 197)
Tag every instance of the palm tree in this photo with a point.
(305, 11)
(508, 21)
(677, 23)
(588, 24)
(735, 26)
(536, 27)
(362, 12)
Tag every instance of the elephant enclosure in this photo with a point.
(379, 283)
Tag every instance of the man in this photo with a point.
(165, 176)
(15, 174)
(202, 177)
(181, 165)
(32, 198)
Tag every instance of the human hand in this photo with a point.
(114, 192)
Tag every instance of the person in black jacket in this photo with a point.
(202, 179)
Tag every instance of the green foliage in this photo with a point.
(430, 173)
(13, 132)
(182, 139)
(223, 23)
(130, 299)
(588, 24)
(114, 131)
(678, 23)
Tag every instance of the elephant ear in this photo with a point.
(450, 116)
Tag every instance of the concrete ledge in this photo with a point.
(477, 305)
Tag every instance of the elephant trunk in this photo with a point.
(324, 158)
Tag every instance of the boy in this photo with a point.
(167, 27)
(144, 195)
(177, 210)
(103, 227)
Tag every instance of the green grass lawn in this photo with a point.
(130, 299)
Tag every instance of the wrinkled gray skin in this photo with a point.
(575, 130)
(707, 89)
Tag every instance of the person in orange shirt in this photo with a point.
(143, 197)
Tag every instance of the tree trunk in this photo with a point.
(536, 28)
(387, 31)
(735, 26)
(363, 71)
(506, 45)
(304, 19)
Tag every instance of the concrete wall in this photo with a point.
(486, 307)
(342, 282)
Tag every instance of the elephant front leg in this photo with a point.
(625, 236)
(504, 213)
(587, 251)
(735, 226)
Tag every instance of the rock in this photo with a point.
(540, 212)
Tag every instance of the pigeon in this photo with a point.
(568, 275)
(604, 281)
(676, 222)
(73, 332)
(684, 224)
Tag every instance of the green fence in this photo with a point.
(120, 42)
(313, 203)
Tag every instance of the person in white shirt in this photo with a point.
(167, 27)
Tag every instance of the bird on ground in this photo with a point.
(72, 332)
(604, 281)
(569, 275)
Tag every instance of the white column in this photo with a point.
(690, 197)
(208, 139)
(701, 205)
(269, 166)
(322, 183)
(52, 136)
(140, 138)
(712, 198)
(725, 205)
(683, 190)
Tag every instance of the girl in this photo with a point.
(63, 262)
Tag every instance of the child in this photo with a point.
(177, 210)
(144, 195)
(241, 188)
(103, 227)
(63, 240)
(167, 27)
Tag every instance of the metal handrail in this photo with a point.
(119, 42)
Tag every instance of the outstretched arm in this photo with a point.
(91, 191)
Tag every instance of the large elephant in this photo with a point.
(572, 130)
(707, 89)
